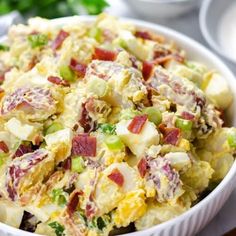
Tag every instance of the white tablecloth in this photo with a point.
(188, 24)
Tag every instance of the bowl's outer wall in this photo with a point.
(198, 216)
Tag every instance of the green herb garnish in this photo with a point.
(58, 228)
(4, 47)
(59, 197)
(37, 40)
(53, 8)
(107, 128)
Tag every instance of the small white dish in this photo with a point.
(154, 9)
(210, 19)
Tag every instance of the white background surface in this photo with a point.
(188, 24)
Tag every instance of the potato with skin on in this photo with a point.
(28, 171)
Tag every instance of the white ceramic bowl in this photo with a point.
(211, 13)
(199, 215)
(154, 9)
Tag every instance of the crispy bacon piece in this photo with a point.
(67, 164)
(85, 120)
(2, 78)
(104, 54)
(62, 35)
(58, 81)
(143, 35)
(90, 209)
(147, 70)
(22, 149)
(32, 63)
(1, 92)
(84, 145)
(78, 68)
(116, 177)
(170, 135)
(187, 116)
(137, 124)
(4, 147)
(73, 201)
(142, 167)
(163, 59)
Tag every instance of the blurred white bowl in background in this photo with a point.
(162, 8)
(212, 17)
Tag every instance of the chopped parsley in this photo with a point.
(4, 47)
(58, 228)
(99, 223)
(37, 40)
(107, 128)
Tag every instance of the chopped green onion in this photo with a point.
(37, 40)
(77, 164)
(154, 115)
(2, 158)
(58, 228)
(113, 142)
(82, 217)
(185, 125)
(231, 138)
(54, 127)
(128, 114)
(95, 33)
(67, 74)
(122, 43)
(59, 197)
(98, 86)
(99, 223)
(107, 128)
(4, 47)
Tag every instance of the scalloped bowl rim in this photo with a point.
(219, 64)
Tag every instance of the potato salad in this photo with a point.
(106, 128)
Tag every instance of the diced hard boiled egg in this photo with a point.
(60, 143)
(138, 143)
(131, 208)
(20, 130)
(218, 91)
